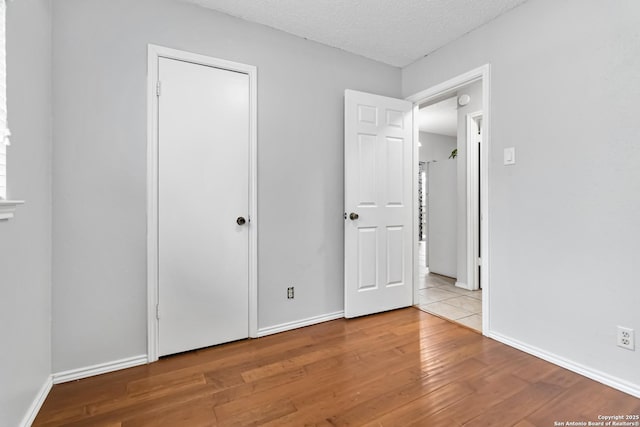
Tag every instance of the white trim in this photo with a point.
(594, 374)
(462, 285)
(152, 204)
(481, 73)
(101, 368)
(4, 130)
(484, 196)
(253, 202)
(8, 207)
(472, 201)
(35, 406)
(300, 323)
(153, 54)
(416, 207)
(449, 85)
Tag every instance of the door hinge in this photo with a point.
(158, 311)
(158, 88)
(479, 261)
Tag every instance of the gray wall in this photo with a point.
(25, 240)
(99, 74)
(441, 218)
(564, 220)
(435, 146)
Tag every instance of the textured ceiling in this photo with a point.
(396, 32)
(440, 118)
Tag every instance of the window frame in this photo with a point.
(4, 126)
(7, 207)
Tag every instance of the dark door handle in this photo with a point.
(241, 220)
(353, 216)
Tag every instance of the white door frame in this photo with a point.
(481, 73)
(154, 53)
(473, 226)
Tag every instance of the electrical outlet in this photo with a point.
(626, 338)
(290, 293)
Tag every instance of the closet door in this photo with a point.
(203, 205)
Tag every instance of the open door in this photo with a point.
(378, 228)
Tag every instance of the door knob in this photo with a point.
(241, 220)
(353, 216)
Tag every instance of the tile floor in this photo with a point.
(439, 295)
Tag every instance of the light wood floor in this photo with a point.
(401, 368)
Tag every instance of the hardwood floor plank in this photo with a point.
(362, 377)
(571, 405)
(197, 414)
(517, 407)
(148, 391)
(157, 385)
(404, 367)
(420, 410)
(490, 390)
(256, 414)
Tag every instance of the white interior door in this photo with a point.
(203, 188)
(378, 203)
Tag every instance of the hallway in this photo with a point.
(438, 295)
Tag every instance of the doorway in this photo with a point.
(437, 147)
(202, 212)
(376, 166)
(471, 270)
(445, 127)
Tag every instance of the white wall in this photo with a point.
(25, 240)
(442, 220)
(99, 301)
(564, 220)
(435, 146)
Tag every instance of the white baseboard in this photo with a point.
(101, 368)
(601, 377)
(300, 323)
(462, 285)
(35, 406)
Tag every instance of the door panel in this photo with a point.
(203, 153)
(378, 185)
(367, 258)
(367, 169)
(395, 255)
(395, 171)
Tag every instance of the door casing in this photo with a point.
(473, 226)
(482, 73)
(154, 53)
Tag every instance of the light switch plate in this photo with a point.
(510, 156)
